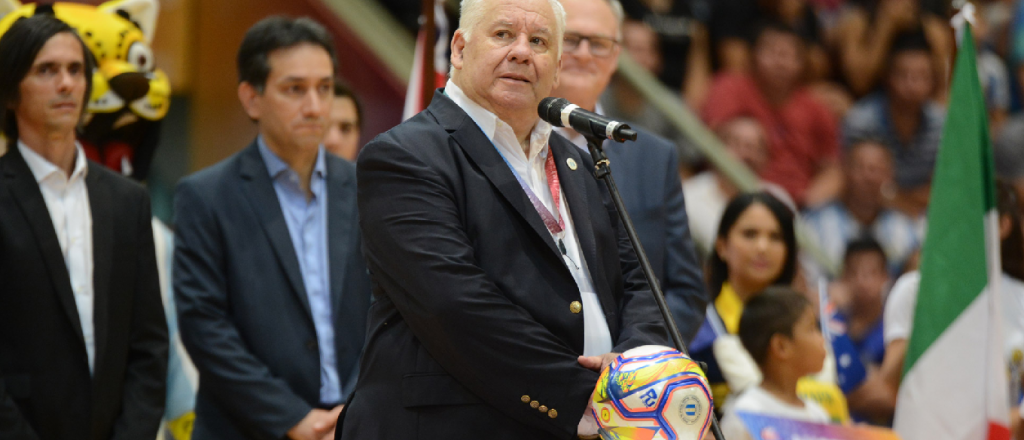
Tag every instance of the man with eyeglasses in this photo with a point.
(645, 170)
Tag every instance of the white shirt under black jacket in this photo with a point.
(597, 338)
(68, 202)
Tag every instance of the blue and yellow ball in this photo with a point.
(652, 392)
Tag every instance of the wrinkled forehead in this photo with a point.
(535, 16)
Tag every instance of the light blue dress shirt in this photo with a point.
(307, 225)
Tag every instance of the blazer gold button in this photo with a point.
(534, 404)
(552, 414)
(525, 398)
(543, 409)
(571, 163)
(575, 307)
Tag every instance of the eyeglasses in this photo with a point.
(599, 46)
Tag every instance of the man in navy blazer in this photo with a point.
(646, 171)
(503, 279)
(271, 290)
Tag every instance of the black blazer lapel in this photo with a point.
(259, 191)
(102, 206)
(479, 148)
(26, 191)
(582, 208)
(339, 227)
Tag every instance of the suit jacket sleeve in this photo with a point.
(684, 286)
(423, 260)
(15, 427)
(237, 381)
(146, 374)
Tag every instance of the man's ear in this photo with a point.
(249, 98)
(458, 46)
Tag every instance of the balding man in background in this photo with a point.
(503, 279)
(646, 171)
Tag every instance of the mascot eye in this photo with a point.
(141, 56)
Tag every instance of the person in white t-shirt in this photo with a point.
(898, 318)
(779, 330)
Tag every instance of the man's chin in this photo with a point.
(577, 85)
(63, 122)
(307, 142)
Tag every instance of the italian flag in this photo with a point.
(954, 380)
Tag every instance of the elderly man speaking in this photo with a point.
(503, 279)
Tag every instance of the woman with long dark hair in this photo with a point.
(755, 248)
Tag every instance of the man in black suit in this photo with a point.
(646, 171)
(502, 277)
(83, 341)
(271, 289)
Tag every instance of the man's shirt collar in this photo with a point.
(493, 127)
(43, 169)
(276, 166)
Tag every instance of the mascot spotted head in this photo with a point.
(129, 94)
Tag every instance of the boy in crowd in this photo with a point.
(780, 331)
(865, 281)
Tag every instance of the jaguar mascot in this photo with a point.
(129, 94)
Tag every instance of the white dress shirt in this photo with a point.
(68, 202)
(597, 338)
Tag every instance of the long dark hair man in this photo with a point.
(83, 342)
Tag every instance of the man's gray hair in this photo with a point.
(620, 16)
(471, 13)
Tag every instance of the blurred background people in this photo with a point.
(865, 279)
(868, 33)
(802, 132)
(905, 118)
(682, 43)
(622, 101)
(342, 138)
(862, 209)
(708, 192)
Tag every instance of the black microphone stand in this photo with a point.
(603, 171)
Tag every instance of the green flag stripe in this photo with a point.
(953, 262)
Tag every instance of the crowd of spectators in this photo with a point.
(838, 106)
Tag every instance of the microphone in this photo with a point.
(561, 113)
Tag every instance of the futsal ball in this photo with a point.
(652, 393)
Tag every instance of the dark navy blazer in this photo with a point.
(243, 312)
(647, 174)
(476, 330)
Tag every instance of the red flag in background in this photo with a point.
(417, 96)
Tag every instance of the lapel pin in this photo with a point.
(571, 163)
